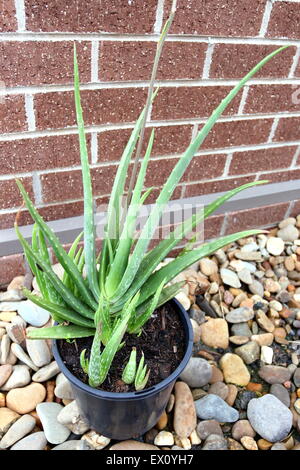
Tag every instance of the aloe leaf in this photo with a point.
(174, 178)
(157, 254)
(60, 332)
(94, 362)
(120, 261)
(130, 368)
(71, 255)
(60, 253)
(65, 293)
(116, 337)
(84, 362)
(140, 383)
(136, 325)
(58, 312)
(180, 263)
(89, 226)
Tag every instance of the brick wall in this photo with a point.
(212, 44)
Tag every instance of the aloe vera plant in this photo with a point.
(122, 286)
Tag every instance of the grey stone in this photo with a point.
(241, 329)
(230, 278)
(72, 445)
(280, 392)
(9, 306)
(296, 377)
(38, 351)
(33, 314)
(197, 372)
(256, 288)
(63, 388)
(215, 442)
(55, 432)
(245, 276)
(288, 233)
(12, 295)
(4, 348)
(17, 431)
(46, 372)
(240, 315)
(70, 416)
(249, 352)
(274, 374)
(278, 446)
(19, 352)
(207, 427)
(213, 407)
(270, 418)
(20, 377)
(35, 441)
(5, 373)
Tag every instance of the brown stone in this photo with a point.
(133, 445)
(162, 422)
(25, 399)
(185, 418)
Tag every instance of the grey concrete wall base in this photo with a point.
(67, 229)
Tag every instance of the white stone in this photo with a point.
(275, 246)
(266, 354)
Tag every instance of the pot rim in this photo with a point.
(143, 393)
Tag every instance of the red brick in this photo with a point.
(287, 130)
(56, 110)
(284, 20)
(281, 176)
(39, 154)
(114, 16)
(12, 114)
(257, 217)
(261, 160)
(296, 208)
(218, 18)
(8, 21)
(7, 220)
(215, 186)
(67, 185)
(236, 60)
(205, 167)
(213, 226)
(168, 140)
(271, 99)
(39, 63)
(10, 267)
(134, 60)
(191, 102)
(10, 195)
(156, 192)
(236, 133)
(158, 171)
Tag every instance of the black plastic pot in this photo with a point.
(127, 415)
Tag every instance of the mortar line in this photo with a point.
(294, 63)
(65, 36)
(289, 210)
(95, 62)
(266, 18)
(29, 111)
(94, 147)
(159, 17)
(227, 165)
(224, 225)
(273, 129)
(20, 15)
(37, 188)
(207, 61)
(100, 85)
(295, 158)
(243, 99)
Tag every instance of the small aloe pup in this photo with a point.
(138, 375)
(122, 286)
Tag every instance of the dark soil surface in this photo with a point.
(162, 341)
